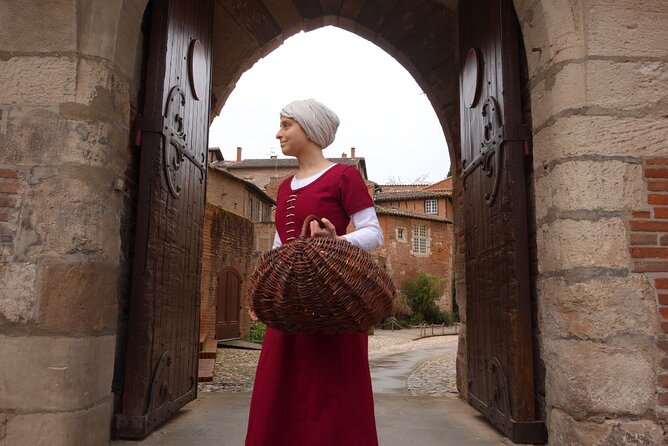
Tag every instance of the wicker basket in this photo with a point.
(319, 284)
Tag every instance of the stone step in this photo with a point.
(205, 369)
(208, 349)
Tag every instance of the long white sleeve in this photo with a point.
(367, 234)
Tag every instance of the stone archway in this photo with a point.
(597, 78)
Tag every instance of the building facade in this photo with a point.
(237, 229)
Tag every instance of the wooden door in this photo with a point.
(228, 305)
(498, 310)
(160, 374)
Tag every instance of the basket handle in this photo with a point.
(307, 222)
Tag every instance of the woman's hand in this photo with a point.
(252, 315)
(328, 231)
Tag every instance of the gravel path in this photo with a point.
(235, 368)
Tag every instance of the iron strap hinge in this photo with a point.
(521, 132)
(150, 124)
(146, 124)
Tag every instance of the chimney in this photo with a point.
(344, 155)
(352, 152)
(238, 154)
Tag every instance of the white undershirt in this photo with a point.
(367, 234)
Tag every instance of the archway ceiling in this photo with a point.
(419, 34)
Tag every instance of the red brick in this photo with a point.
(663, 240)
(650, 267)
(661, 284)
(656, 253)
(657, 161)
(663, 299)
(641, 214)
(6, 216)
(649, 226)
(663, 380)
(663, 345)
(664, 327)
(643, 239)
(10, 187)
(664, 363)
(660, 212)
(664, 312)
(7, 231)
(663, 398)
(657, 185)
(656, 172)
(9, 173)
(657, 199)
(7, 201)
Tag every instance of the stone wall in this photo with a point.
(67, 95)
(598, 71)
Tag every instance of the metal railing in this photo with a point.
(426, 330)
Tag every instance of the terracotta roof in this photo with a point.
(381, 210)
(246, 183)
(283, 162)
(411, 195)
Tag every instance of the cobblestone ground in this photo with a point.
(235, 368)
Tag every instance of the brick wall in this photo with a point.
(228, 242)
(401, 264)
(649, 251)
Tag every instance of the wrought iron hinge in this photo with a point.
(521, 133)
(147, 124)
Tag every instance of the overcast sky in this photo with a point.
(384, 113)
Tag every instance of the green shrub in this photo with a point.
(422, 291)
(257, 331)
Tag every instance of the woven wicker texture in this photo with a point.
(320, 284)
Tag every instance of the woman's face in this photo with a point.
(292, 137)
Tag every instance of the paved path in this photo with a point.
(220, 418)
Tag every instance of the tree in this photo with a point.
(422, 291)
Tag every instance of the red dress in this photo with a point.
(314, 389)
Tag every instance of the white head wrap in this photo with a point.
(318, 121)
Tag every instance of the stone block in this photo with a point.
(78, 296)
(98, 27)
(66, 374)
(566, 244)
(70, 209)
(627, 29)
(626, 85)
(84, 427)
(564, 430)
(561, 90)
(18, 300)
(588, 185)
(585, 378)
(608, 136)
(42, 137)
(101, 94)
(38, 26)
(39, 81)
(605, 309)
(552, 31)
(128, 49)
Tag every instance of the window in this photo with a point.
(431, 206)
(420, 241)
(250, 208)
(401, 234)
(260, 211)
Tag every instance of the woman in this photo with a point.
(315, 389)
